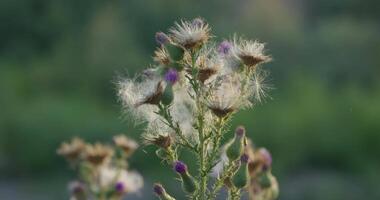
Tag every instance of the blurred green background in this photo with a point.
(58, 61)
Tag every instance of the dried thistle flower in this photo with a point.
(98, 154)
(161, 56)
(250, 52)
(190, 35)
(73, 150)
(126, 144)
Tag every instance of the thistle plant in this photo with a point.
(187, 99)
(102, 170)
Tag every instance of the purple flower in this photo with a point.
(161, 38)
(171, 76)
(76, 187)
(240, 131)
(180, 167)
(158, 189)
(267, 158)
(224, 47)
(120, 187)
(197, 22)
(244, 158)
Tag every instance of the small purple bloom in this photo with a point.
(244, 158)
(76, 187)
(120, 187)
(161, 38)
(158, 189)
(180, 167)
(224, 47)
(198, 22)
(240, 131)
(171, 76)
(267, 157)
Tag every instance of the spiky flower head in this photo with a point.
(190, 34)
(180, 167)
(126, 144)
(171, 76)
(251, 53)
(161, 38)
(98, 153)
(72, 150)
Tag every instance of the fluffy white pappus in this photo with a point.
(155, 129)
(219, 167)
(132, 93)
(227, 93)
(182, 110)
(190, 35)
(259, 87)
(251, 52)
(110, 176)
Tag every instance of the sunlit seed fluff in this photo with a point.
(251, 53)
(158, 133)
(258, 86)
(72, 150)
(126, 144)
(139, 95)
(190, 35)
(209, 64)
(226, 97)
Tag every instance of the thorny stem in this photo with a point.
(165, 113)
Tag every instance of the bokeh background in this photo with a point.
(59, 60)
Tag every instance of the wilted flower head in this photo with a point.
(127, 145)
(98, 154)
(250, 52)
(73, 150)
(190, 35)
(161, 38)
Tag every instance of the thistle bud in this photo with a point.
(236, 146)
(188, 183)
(167, 96)
(175, 52)
(224, 48)
(264, 180)
(240, 179)
(161, 193)
(161, 38)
